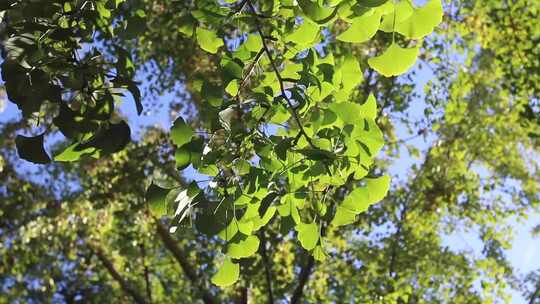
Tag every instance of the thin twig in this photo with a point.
(281, 82)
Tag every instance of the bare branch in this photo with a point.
(126, 285)
(302, 280)
(181, 258)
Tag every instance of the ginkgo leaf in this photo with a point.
(181, 133)
(244, 248)
(361, 198)
(422, 21)
(351, 73)
(31, 149)
(305, 34)
(394, 61)
(370, 135)
(208, 40)
(373, 3)
(156, 200)
(72, 153)
(378, 188)
(369, 108)
(362, 28)
(319, 254)
(399, 12)
(308, 235)
(227, 274)
(317, 13)
(343, 217)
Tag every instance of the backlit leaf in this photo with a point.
(244, 248)
(362, 28)
(208, 40)
(227, 274)
(422, 21)
(181, 133)
(394, 61)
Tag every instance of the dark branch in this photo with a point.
(535, 294)
(267, 270)
(126, 286)
(146, 273)
(182, 259)
(302, 280)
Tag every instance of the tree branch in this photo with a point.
(535, 294)
(146, 273)
(267, 270)
(281, 82)
(126, 286)
(182, 259)
(302, 280)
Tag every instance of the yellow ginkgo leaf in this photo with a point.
(395, 60)
(422, 21)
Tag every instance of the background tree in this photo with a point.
(83, 231)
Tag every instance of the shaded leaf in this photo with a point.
(31, 149)
(181, 133)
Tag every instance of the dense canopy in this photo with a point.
(314, 151)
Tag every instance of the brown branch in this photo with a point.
(535, 294)
(146, 274)
(267, 270)
(126, 285)
(181, 258)
(302, 280)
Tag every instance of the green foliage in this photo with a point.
(278, 64)
(227, 274)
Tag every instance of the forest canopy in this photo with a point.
(280, 151)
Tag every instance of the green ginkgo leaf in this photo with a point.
(308, 235)
(369, 108)
(317, 13)
(305, 34)
(72, 153)
(156, 199)
(394, 61)
(208, 40)
(362, 28)
(378, 188)
(319, 254)
(422, 21)
(361, 198)
(227, 274)
(181, 133)
(400, 11)
(244, 248)
(343, 217)
(372, 3)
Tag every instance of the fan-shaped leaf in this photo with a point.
(227, 274)
(394, 61)
(31, 149)
(244, 248)
(208, 40)
(422, 21)
(362, 28)
(181, 133)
